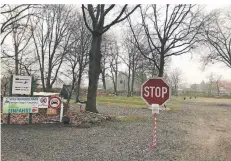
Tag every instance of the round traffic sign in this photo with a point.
(54, 102)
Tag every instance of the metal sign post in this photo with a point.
(61, 112)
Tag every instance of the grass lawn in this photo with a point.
(134, 102)
(137, 102)
(120, 101)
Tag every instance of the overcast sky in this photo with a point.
(190, 64)
(191, 68)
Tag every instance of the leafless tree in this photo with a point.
(21, 38)
(175, 79)
(51, 37)
(12, 14)
(133, 60)
(214, 80)
(168, 30)
(5, 80)
(77, 56)
(217, 34)
(211, 81)
(105, 63)
(217, 81)
(97, 28)
(113, 63)
(19, 30)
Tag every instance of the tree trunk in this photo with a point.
(116, 77)
(94, 71)
(129, 75)
(42, 72)
(153, 71)
(210, 89)
(70, 94)
(161, 70)
(78, 87)
(16, 59)
(48, 81)
(176, 91)
(103, 80)
(114, 85)
(48, 88)
(133, 79)
(218, 90)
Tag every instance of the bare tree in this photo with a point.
(51, 37)
(168, 30)
(175, 79)
(105, 63)
(12, 14)
(211, 81)
(217, 34)
(76, 59)
(214, 80)
(97, 28)
(19, 30)
(217, 81)
(5, 80)
(114, 62)
(133, 60)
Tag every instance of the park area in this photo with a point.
(196, 129)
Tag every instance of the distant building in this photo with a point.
(225, 88)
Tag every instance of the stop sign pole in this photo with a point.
(155, 92)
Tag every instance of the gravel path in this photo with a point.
(196, 132)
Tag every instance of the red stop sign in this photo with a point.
(155, 91)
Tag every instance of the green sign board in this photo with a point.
(20, 105)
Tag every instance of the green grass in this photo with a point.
(136, 102)
(174, 103)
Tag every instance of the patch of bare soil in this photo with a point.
(211, 133)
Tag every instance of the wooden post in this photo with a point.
(10, 94)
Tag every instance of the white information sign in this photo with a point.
(43, 102)
(155, 108)
(21, 84)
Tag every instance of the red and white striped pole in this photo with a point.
(153, 145)
(155, 110)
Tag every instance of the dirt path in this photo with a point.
(209, 136)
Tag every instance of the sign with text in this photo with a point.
(155, 91)
(20, 105)
(21, 84)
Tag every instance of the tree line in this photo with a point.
(48, 41)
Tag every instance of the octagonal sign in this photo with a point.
(155, 91)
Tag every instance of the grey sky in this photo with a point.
(190, 64)
(191, 68)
